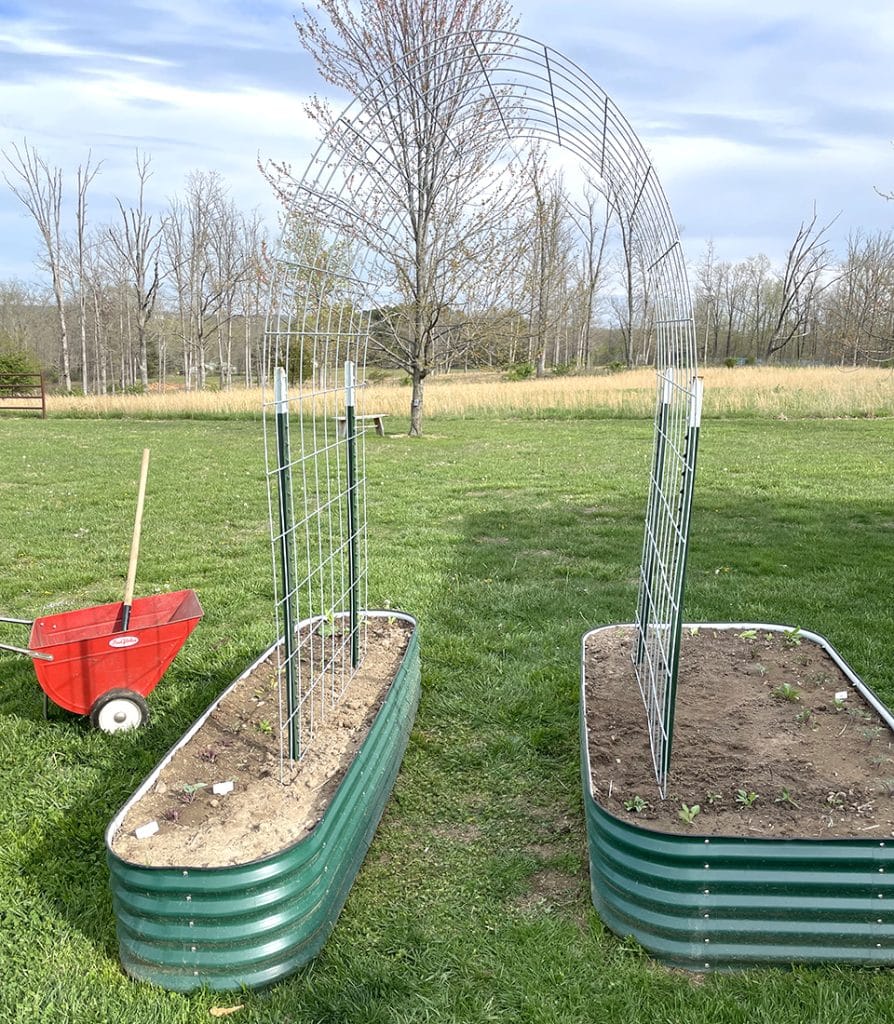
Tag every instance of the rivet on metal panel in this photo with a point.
(707, 892)
(192, 949)
(189, 899)
(191, 923)
(707, 965)
(707, 940)
(186, 874)
(878, 945)
(878, 920)
(881, 871)
(707, 867)
(706, 916)
(881, 895)
(707, 841)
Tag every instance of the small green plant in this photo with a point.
(793, 637)
(688, 814)
(803, 716)
(714, 798)
(746, 797)
(785, 797)
(636, 804)
(264, 726)
(787, 692)
(840, 705)
(748, 634)
(188, 791)
(835, 799)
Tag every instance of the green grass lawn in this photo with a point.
(507, 540)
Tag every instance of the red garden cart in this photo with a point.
(104, 661)
(86, 663)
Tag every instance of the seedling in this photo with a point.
(209, 754)
(785, 797)
(746, 797)
(835, 799)
(714, 798)
(635, 804)
(803, 716)
(748, 634)
(188, 791)
(787, 692)
(793, 637)
(688, 814)
(264, 726)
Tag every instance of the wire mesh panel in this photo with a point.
(659, 614)
(395, 216)
(316, 479)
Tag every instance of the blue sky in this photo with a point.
(751, 112)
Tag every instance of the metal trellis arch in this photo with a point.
(349, 221)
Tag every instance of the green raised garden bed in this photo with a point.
(717, 902)
(251, 924)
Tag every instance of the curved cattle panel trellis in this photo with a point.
(484, 102)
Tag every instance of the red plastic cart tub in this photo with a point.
(91, 655)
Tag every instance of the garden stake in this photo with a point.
(284, 488)
(351, 442)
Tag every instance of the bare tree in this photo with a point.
(593, 229)
(859, 311)
(550, 245)
(436, 173)
(86, 174)
(802, 281)
(136, 244)
(38, 187)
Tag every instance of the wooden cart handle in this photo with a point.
(135, 543)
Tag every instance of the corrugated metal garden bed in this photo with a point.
(707, 901)
(250, 924)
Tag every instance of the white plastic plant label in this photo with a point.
(222, 788)
(147, 830)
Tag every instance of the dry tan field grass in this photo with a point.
(822, 392)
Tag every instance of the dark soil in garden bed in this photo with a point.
(761, 745)
(273, 802)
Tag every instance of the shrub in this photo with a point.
(520, 371)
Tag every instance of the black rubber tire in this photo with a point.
(140, 709)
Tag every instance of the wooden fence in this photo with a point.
(21, 392)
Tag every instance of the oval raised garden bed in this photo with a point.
(250, 924)
(700, 896)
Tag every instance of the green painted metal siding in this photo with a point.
(252, 924)
(708, 903)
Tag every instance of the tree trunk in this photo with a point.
(416, 403)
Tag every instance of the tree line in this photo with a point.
(180, 291)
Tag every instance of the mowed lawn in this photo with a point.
(508, 540)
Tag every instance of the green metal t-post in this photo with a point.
(284, 490)
(353, 558)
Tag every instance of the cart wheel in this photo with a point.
(117, 710)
